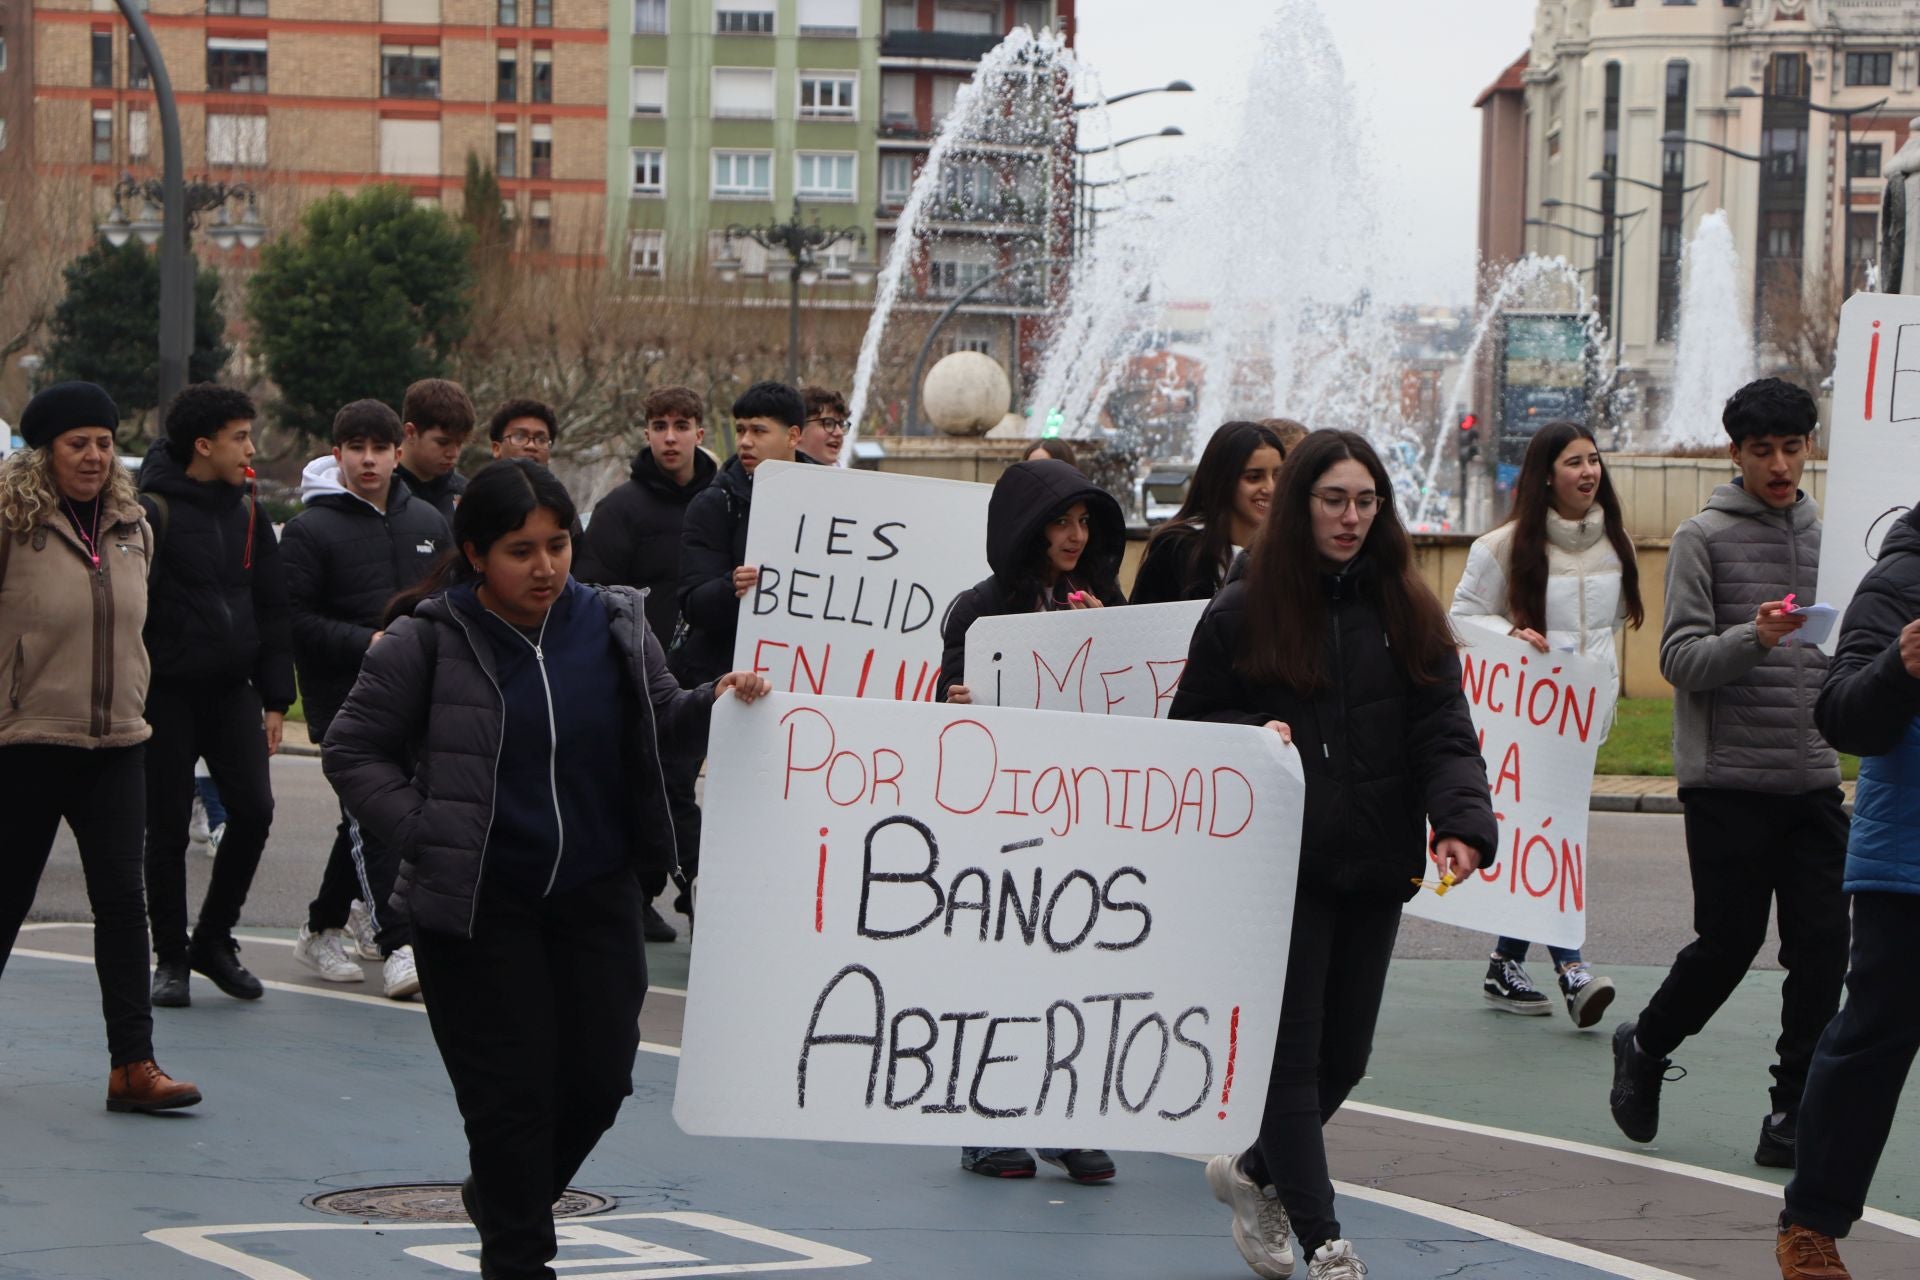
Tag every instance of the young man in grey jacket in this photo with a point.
(1759, 785)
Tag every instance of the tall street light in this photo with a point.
(1846, 115)
(1085, 214)
(800, 241)
(1601, 175)
(1172, 86)
(176, 286)
(201, 196)
(1618, 246)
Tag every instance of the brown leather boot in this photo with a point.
(143, 1086)
(1805, 1254)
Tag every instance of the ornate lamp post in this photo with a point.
(802, 242)
(200, 196)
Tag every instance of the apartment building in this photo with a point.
(298, 98)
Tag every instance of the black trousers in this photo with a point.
(538, 1019)
(1859, 1068)
(101, 795)
(1336, 976)
(359, 867)
(682, 774)
(1748, 851)
(221, 723)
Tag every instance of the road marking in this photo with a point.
(807, 1255)
(289, 942)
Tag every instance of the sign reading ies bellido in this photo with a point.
(979, 925)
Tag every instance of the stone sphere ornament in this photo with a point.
(967, 393)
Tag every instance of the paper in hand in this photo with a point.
(1818, 625)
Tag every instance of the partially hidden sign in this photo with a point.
(857, 569)
(1873, 466)
(983, 926)
(1117, 662)
(1540, 717)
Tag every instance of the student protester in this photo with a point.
(1332, 640)
(74, 551)
(1869, 706)
(506, 736)
(1561, 575)
(1187, 558)
(362, 539)
(218, 633)
(1054, 541)
(1759, 786)
(1053, 447)
(633, 540)
(824, 433)
(523, 428)
(437, 418)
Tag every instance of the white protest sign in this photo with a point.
(1540, 716)
(977, 925)
(1116, 662)
(1873, 454)
(856, 571)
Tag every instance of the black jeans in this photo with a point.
(220, 722)
(359, 867)
(100, 794)
(538, 1019)
(1336, 976)
(1748, 850)
(1859, 1068)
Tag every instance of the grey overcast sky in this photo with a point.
(1416, 67)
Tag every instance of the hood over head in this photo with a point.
(1028, 495)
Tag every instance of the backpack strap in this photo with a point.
(159, 522)
(6, 553)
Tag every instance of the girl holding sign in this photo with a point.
(1187, 558)
(506, 734)
(1559, 574)
(1054, 541)
(1332, 641)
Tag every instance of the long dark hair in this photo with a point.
(1099, 567)
(1532, 499)
(498, 500)
(1286, 637)
(1207, 513)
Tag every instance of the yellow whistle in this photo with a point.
(1447, 882)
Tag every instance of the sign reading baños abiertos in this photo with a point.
(985, 926)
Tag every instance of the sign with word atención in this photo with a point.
(857, 569)
(1873, 455)
(1540, 717)
(1116, 662)
(985, 926)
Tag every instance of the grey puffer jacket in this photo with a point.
(413, 751)
(1742, 713)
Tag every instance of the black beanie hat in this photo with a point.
(64, 406)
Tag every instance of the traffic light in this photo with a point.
(1469, 436)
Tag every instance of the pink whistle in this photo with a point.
(1786, 606)
(1078, 595)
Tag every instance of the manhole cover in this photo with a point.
(433, 1202)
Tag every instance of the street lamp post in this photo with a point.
(176, 288)
(1619, 246)
(1082, 185)
(800, 241)
(1846, 115)
(926, 347)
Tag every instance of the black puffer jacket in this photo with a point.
(413, 751)
(1172, 568)
(1869, 700)
(713, 543)
(345, 560)
(1025, 498)
(216, 599)
(442, 493)
(633, 539)
(1384, 755)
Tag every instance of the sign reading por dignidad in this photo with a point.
(978, 925)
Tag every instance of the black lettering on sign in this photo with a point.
(987, 1059)
(952, 1106)
(1146, 916)
(1206, 1058)
(1113, 1039)
(869, 877)
(814, 1037)
(921, 1053)
(1056, 1062)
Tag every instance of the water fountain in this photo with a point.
(1714, 357)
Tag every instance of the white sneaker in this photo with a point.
(400, 977)
(1335, 1260)
(214, 837)
(197, 821)
(360, 930)
(325, 953)
(1261, 1230)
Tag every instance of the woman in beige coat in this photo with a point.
(74, 554)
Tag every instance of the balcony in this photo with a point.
(945, 46)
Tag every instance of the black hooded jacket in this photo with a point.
(216, 599)
(1869, 700)
(633, 539)
(1384, 755)
(345, 561)
(1026, 497)
(713, 543)
(441, 493)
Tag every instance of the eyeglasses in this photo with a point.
(1335, 502)
(831, 424)
(522, 440)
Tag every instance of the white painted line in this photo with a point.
(265, 940)
(1738, 1182)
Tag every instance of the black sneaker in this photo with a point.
(1777, 1142)
(654, 926)
(170, 984)
(1587, 995)
(1083, 1166)
(1635, 1099)
(997, 1162)
(1508, 987)
(221, 961)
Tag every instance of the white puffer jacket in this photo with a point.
(1584, 602)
